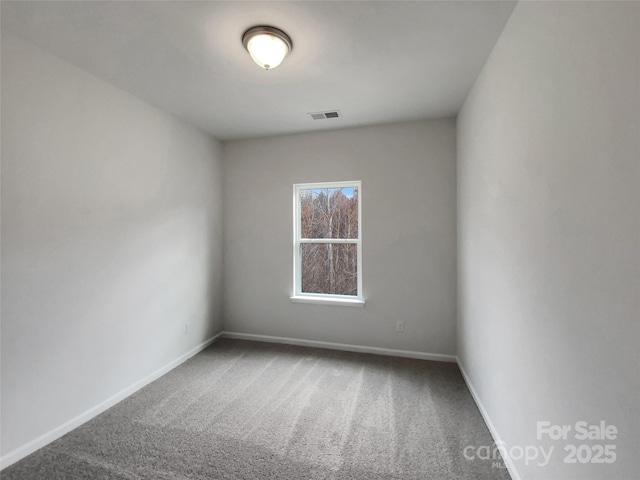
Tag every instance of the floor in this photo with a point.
(251, 410)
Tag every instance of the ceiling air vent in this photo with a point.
(323, 115)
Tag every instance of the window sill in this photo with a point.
(344, 302)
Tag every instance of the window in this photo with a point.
(327, 251)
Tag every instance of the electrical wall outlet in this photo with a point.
(400, 326)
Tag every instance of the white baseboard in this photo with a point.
(48, 437)
(342, 346)
(492, 429)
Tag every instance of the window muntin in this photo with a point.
(327, 240)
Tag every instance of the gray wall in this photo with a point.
(111, 241)
(548, 204)
(409, 238)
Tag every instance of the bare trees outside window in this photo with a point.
(327, 242)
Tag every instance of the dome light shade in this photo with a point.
(267, 46)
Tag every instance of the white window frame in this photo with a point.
(324, 298)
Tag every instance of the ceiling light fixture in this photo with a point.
(267, 45)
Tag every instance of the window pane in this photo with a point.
(330, 268)
(329, 212)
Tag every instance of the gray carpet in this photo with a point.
(249, 410)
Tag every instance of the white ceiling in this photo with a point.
(377, 62)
